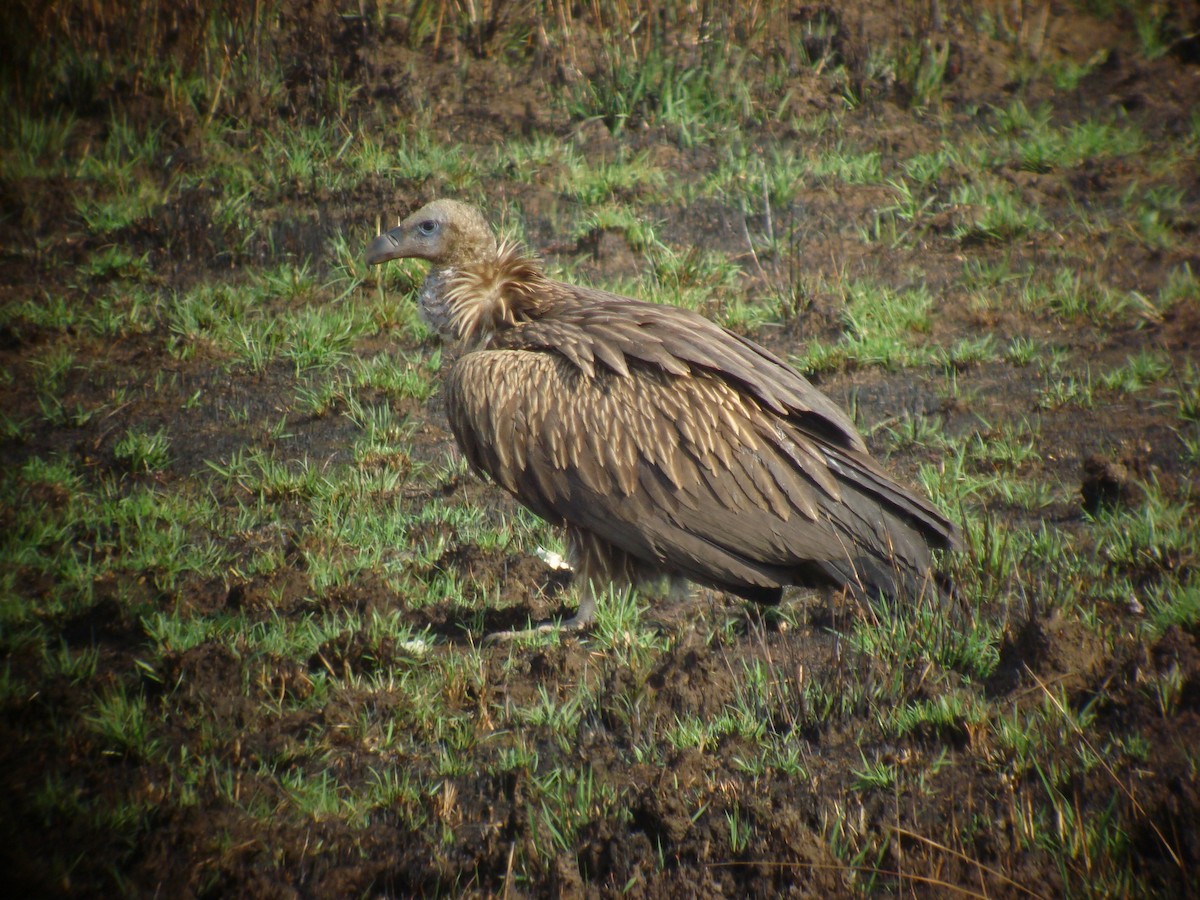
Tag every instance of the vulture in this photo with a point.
(664, 444)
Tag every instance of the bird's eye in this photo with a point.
(427, 227)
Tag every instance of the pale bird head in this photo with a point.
(444, 232)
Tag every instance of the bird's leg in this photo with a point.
(584, 616)
(829, 594)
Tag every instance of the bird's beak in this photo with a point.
(387, 246)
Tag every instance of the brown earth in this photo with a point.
(211, 849)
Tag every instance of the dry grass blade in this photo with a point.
(904, 832)
(1107, 768)
(928, 880)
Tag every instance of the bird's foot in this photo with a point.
(567, 626)
(584, 617)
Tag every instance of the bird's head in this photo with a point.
(444, 232)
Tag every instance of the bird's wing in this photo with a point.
(596, 329)
(683, 470)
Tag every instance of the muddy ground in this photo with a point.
(961, 837)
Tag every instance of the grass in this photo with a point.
(144, 451)
(243, 576)
(1038, 146)
(624, 178)
(1000, 214)
(883, 327)
(693, 101)
(621, 217)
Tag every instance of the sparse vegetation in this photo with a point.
(244, 575)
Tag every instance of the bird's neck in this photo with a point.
(433, 302)
(472, 302)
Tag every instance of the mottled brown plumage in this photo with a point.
(665, 444)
